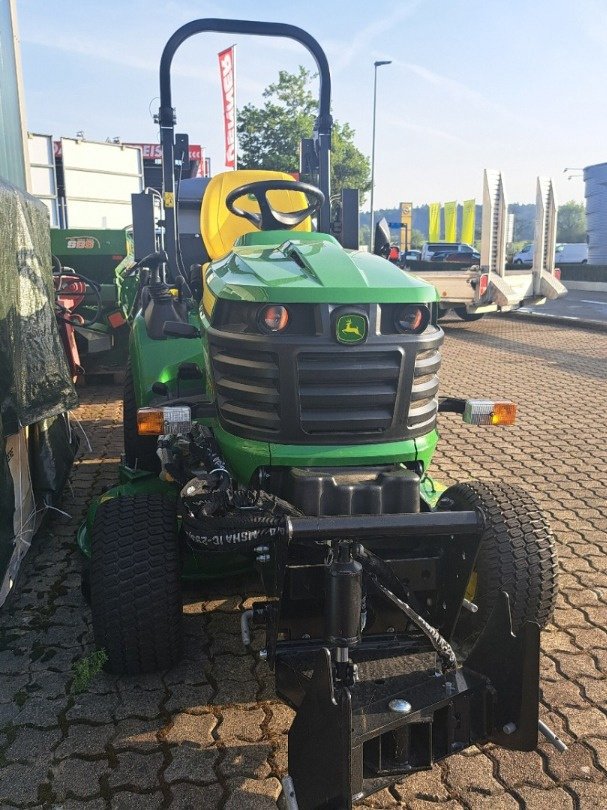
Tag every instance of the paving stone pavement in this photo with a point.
(210, 733)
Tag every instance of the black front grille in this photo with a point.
(248, 390)
(309, 389)
(348, 391)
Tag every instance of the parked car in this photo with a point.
(524, 256)
(460, 258)
(410, 256)
(430, 248)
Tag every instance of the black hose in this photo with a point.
(440, 644)
(232, 533)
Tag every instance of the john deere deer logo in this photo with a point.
(351, 328)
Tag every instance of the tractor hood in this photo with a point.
(283, 267)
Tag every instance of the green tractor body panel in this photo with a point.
(244, 456)
(278, 267)
(159, 360)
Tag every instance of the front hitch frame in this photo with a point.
(354, 736)
(347, 743)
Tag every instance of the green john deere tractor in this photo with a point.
(280, 413)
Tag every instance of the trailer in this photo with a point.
(489, 287)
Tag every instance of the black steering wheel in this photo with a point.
(268, 219)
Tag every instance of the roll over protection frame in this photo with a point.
(167, 120)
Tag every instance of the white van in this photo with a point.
(571, 253)
(430, 248)
(565, 253)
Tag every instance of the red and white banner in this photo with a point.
(153, 151)
(226, 71)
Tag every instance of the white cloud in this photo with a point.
(128, 58)
(422, 129)
(342, 54)
(453, 87)
(91, 49)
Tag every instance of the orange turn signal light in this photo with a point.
(504, 413)
(489, 412)
(150, 421)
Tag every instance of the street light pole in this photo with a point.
(376, 65)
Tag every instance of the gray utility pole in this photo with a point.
(376, 65)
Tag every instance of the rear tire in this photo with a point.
(517, 554)
(139, 451)
(463, 313)
(135, 584)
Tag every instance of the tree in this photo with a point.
(417, 239)
(269, 136)
(571, 223)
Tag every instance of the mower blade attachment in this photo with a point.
(512, 664)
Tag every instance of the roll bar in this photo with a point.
(167, 120)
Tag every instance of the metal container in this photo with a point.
(595, 180)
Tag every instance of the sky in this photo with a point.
(514, 85)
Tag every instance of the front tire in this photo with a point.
(135, 584)
(517, 554)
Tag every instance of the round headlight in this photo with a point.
(411, 318)
(274, 318)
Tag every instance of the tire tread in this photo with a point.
(136, 584)
(517, 552)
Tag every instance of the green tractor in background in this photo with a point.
(280, 413)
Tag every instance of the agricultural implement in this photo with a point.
(285, 419)
(89, 268)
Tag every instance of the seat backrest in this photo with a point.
(220, 228)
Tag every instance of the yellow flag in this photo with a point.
(451, 222)
(469, 221)
(434, 222)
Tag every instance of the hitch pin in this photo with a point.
(552, 737)
(245, 627)
(470, 606)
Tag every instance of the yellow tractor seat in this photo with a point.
(220, 228)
